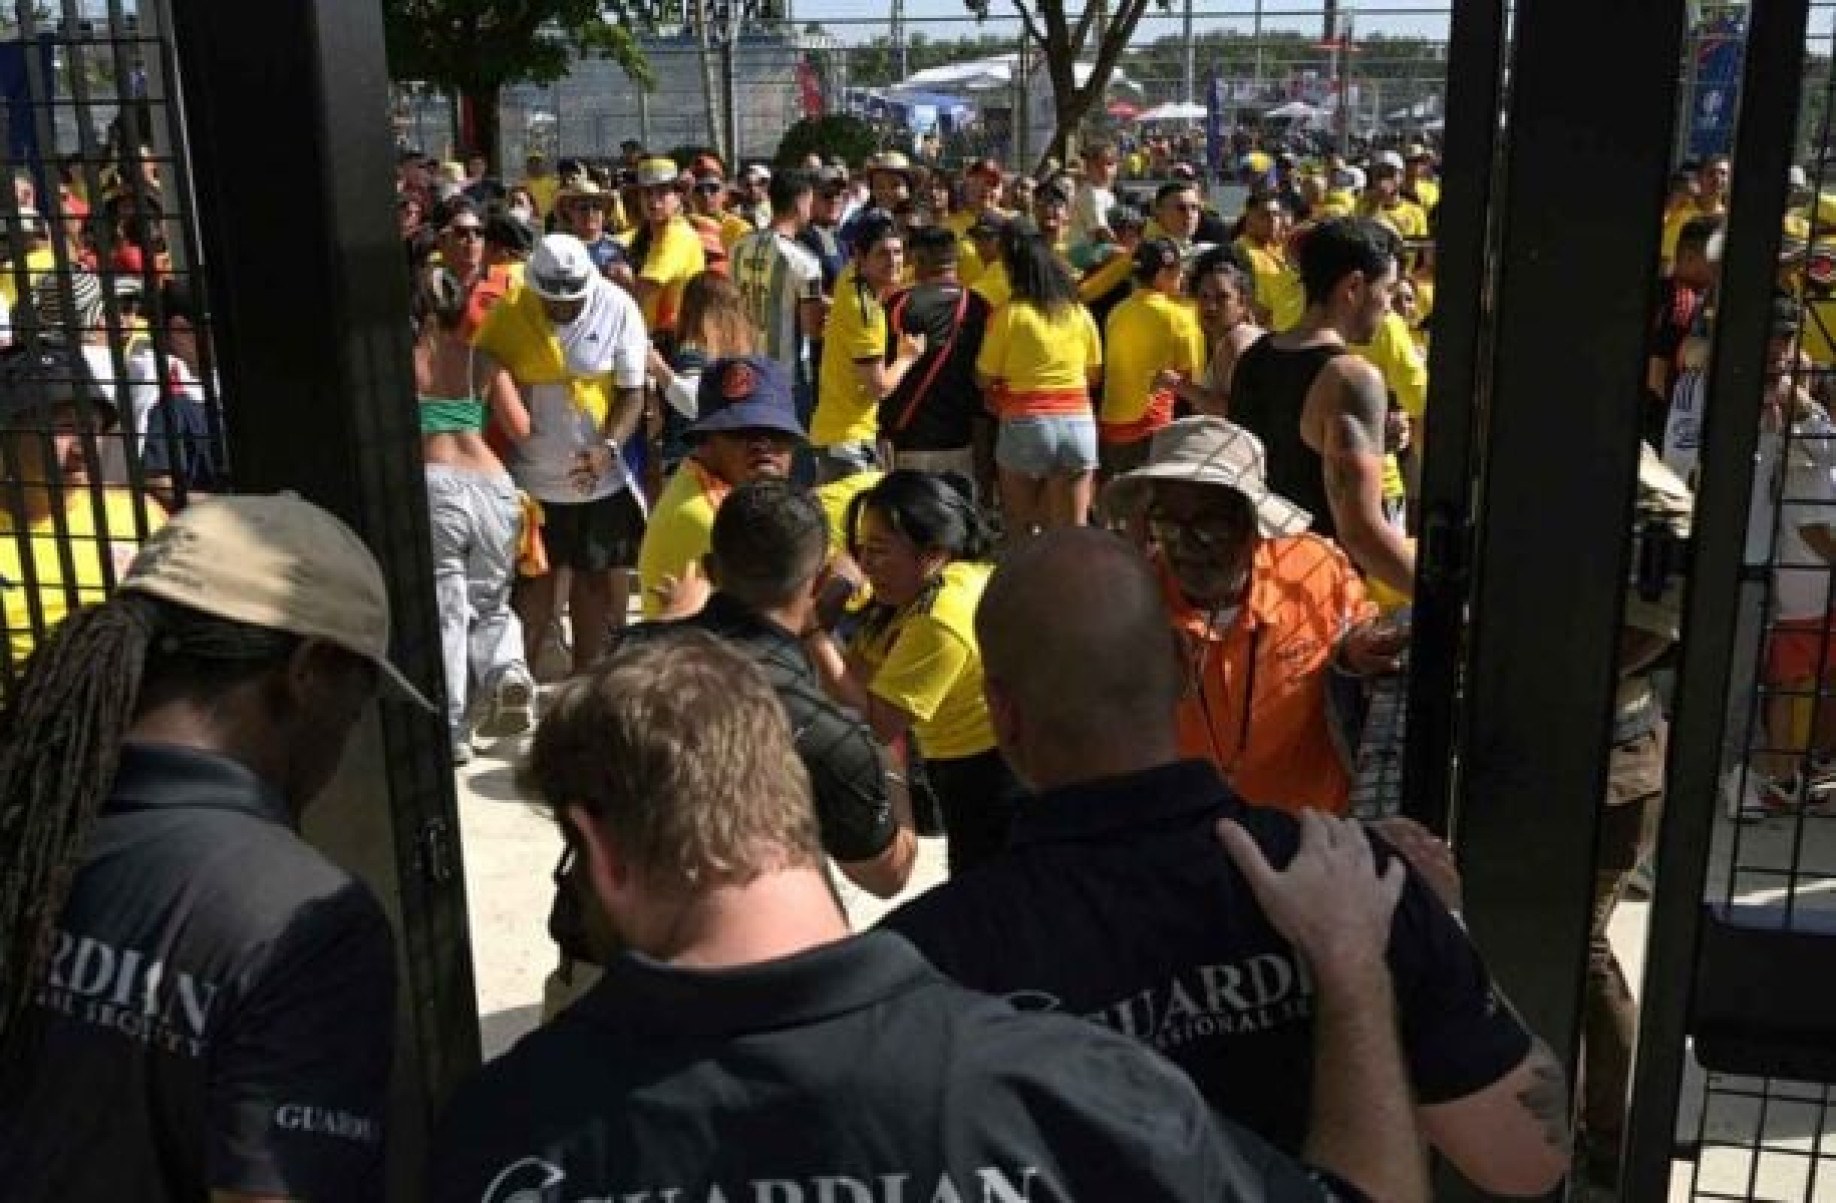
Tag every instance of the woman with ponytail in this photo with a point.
(194, 1003)
(915, 670)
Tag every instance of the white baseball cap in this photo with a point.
(560, 269)
(275, 561)
(1388, 158)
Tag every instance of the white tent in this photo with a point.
(1173, 110)
(1294, 110)
(986, 74)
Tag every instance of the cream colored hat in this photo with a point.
(275, 561)
(1209, 451)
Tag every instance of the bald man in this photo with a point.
(1113, 903)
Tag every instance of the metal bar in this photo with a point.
(1769, 97)
(320, 65)
(1457, 391)
(1556, 490)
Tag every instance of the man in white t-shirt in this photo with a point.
(575, 346)
(1793, 517)
(781, 281)
(1096, 195)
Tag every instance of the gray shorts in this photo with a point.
(1049, 445)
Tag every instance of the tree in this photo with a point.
(1063, 40)
(834, 134)
(474, 48)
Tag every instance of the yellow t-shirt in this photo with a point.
(847, 411)
(1147, 332)
(1393, 352)
(1040, 364)
(1427, 193)
(37, 263)
(57, 595)
(969, 265)
(993, 285)
(733, 227)
(542, 190)
(675, 258)
(680, 531)
(927, 663)
(1405, 217)
(1339, 202)
(835, 498)
(1278, 286)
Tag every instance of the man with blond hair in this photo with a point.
(746, 1045)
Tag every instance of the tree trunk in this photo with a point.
(479, 122)
(1071, 103)
(717, 129)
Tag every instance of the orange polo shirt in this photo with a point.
(1259, 712)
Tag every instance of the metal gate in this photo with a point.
(198, 219)
(1548, 233)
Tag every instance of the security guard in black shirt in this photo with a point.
(194, 1003)
(1110, 904)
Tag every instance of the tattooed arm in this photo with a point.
(1511, 1138)
(1350, 434)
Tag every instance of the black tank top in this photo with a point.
(1267, 391)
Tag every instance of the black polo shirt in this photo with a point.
(1117, 903)
(851, 1073)
(846, 772)
(219, 1008)
(952, 319)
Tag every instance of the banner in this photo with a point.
(16, 111)
(809, 86)
(1719, 47)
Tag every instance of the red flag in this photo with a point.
(811, 87)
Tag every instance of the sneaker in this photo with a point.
(1740, 793)
(1782, 793)
(511, 710)
(1798, 794)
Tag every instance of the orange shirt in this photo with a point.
(1274, 655)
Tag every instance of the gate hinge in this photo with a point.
(438, 863)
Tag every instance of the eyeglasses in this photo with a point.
(1207, 533)
(710, 186)
(466, 233)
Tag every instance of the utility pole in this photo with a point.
(1190, 74)
(1256, 37)
(895, 31)
(730, 84)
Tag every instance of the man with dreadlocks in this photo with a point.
(194, 1003)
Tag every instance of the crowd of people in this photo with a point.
(968, 504)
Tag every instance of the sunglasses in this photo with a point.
(709, 187)
(466, 233)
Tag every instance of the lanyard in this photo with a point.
(1249, 697)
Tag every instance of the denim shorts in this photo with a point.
(1050, 445)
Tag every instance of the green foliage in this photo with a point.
(478, 46)
(833, 134)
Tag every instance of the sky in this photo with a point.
(1396, 18)
(949, 19)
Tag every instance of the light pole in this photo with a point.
(1190, 74)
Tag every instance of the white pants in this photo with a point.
(476, 520)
